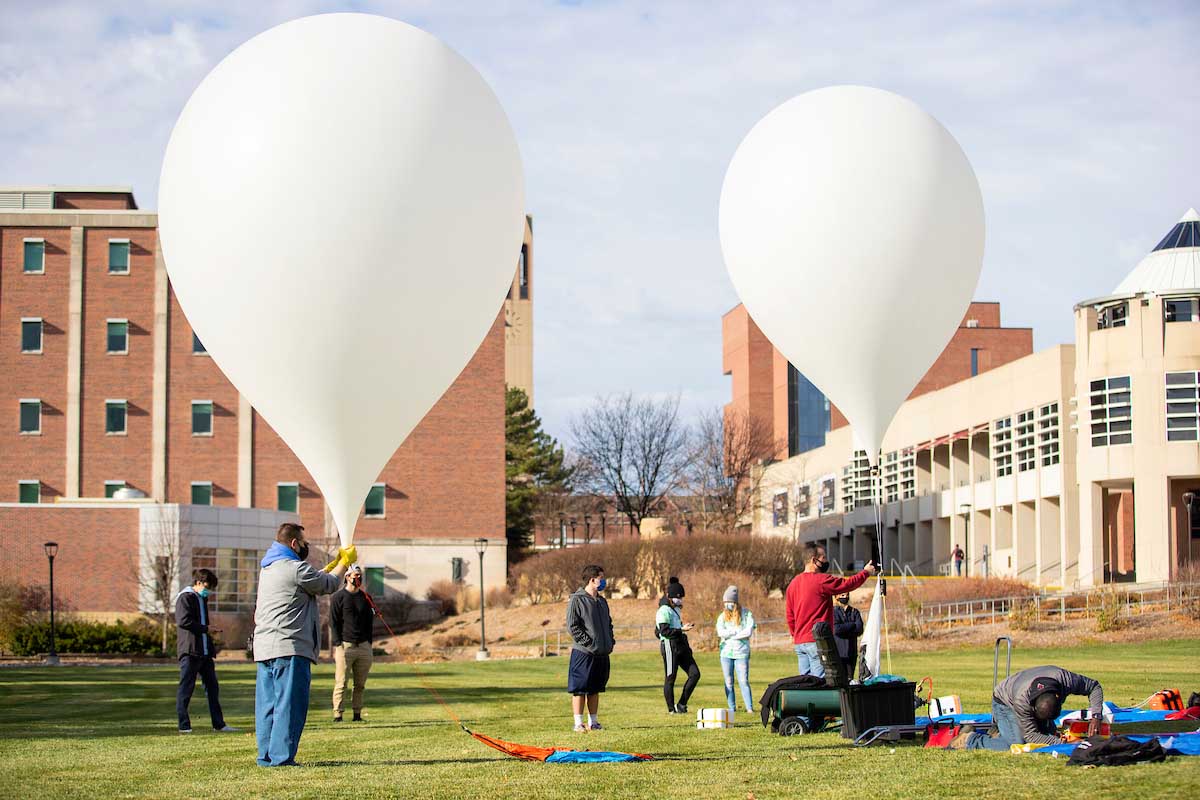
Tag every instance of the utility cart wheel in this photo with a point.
(793, 726)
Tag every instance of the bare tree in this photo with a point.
(728, 451)
(637, 450)
(166, 558)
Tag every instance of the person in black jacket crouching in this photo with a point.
(352, 619)
(196, 651)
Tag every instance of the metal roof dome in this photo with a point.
(1174, 265)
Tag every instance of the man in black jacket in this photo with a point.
(352, 619)
(847, 627)
(195, 648)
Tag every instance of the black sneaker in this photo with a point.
(356, 718)
(337, 717)
(680, 708)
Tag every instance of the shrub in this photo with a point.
(704, 602)
(1110, 615)
(1023, 616)
(74, 636)
(912, 625)
(445, 594)
(499, 597)
(20, 605)
(457, 639)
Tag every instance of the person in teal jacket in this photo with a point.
(735, 626)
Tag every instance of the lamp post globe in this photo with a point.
(481, 545)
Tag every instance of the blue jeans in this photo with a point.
(808, 660)
(280, 708)
(741, 666)
(1010, 731)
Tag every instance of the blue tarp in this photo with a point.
(1177, 744)
(1121, 716)
(588, 757)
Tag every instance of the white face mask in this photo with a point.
(730, 606)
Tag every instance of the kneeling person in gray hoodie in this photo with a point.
(591, 628)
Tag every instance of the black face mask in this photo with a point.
(844, 601)
(822, 566)
(303, 552)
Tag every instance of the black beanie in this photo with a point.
(674, 588)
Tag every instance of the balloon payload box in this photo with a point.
(1078, 728)
(945, 706)
(711, 718)
(1027, 747)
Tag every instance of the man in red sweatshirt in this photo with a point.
(809, 600)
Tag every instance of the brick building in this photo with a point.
(107, 388)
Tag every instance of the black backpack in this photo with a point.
(1115, 752)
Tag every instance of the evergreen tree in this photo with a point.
(534, 466)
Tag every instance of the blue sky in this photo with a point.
(1080, 119)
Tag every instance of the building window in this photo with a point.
(1182, 410)
(1111, 411)
(202, 418)
(238, 570)
(374, 506)
(1113, 316)
(1025, 439)
(779, 508)
(1183, 310)
(118, 256)
(974, 361)
(197, 345)
(856, 483)
(29, 491)
(1194, 514)
(1002, 456)
(456, 570)
(202, 493)
(827, 503)
(808, 414)
(35, 256)
(373, 580)
(118, 336)
(31, 416)
(1048, 434)
(115, 416)
(31, 334)
(112, 487)
(287, 497)
(891, 477)
(908, 473)
(523, 273)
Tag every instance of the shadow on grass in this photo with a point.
(401, 763)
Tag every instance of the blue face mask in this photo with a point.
(204, 592)
(603, 583)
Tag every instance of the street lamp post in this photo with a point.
(587, 528)
(603, 526)
(51, 551)
(480, 546)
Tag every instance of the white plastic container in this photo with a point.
(945, 706)
(710, 718)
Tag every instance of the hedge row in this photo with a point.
(73, 636)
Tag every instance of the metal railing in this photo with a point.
(1063, 605)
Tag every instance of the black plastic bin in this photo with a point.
(865, 707)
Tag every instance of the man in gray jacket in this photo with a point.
(1026, 705)
(591, 629)
(286, 639)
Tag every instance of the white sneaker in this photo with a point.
(581, 728)
(229, 729)
(185, 730)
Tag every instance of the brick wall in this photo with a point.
(97, 562)
(33, 376)
(94, 200)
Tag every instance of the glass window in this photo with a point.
(31, 416)
(456, 570)
(237, 570)
(118, 257)
(1178, 310)
(974, 361)
(287, 497)
(115, 412)
(197, 345)
(1183, 419)
(374, 506)
(1194, 513)
(779, 509)
(30, 492)
(373, 579)
(1171, 238)
(31, 336)
(202, 418)
(523, 273)
(808, 414)
(118, 337)
(202, 494)
(1111, 413)
(35, 257)
(111, 487)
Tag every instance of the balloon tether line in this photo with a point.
(881, 546)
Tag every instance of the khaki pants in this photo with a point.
(355, 659)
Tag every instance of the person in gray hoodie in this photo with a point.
(286, 639)
(591, 628)
(1026, 705)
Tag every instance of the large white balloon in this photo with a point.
(341, 208)
(852, 226)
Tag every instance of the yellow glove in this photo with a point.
(332, 565)
(348, 555)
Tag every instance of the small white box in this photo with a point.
(710, 718)
(945, 706)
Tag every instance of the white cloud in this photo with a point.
(1079, 118)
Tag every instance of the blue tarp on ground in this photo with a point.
(589, 757)
(1176, 744)
(1121, 716)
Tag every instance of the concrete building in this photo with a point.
(1076, 465)
(107, 388)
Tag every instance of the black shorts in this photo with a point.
(587, 673)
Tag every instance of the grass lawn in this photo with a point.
(110, 732)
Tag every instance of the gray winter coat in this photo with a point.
(1019, 691)
(286, 619)
(590, 623)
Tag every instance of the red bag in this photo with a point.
(940, 735)
(1187, 713)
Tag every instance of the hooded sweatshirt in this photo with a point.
(1020, 690)
(590, 623)
(286, 618)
